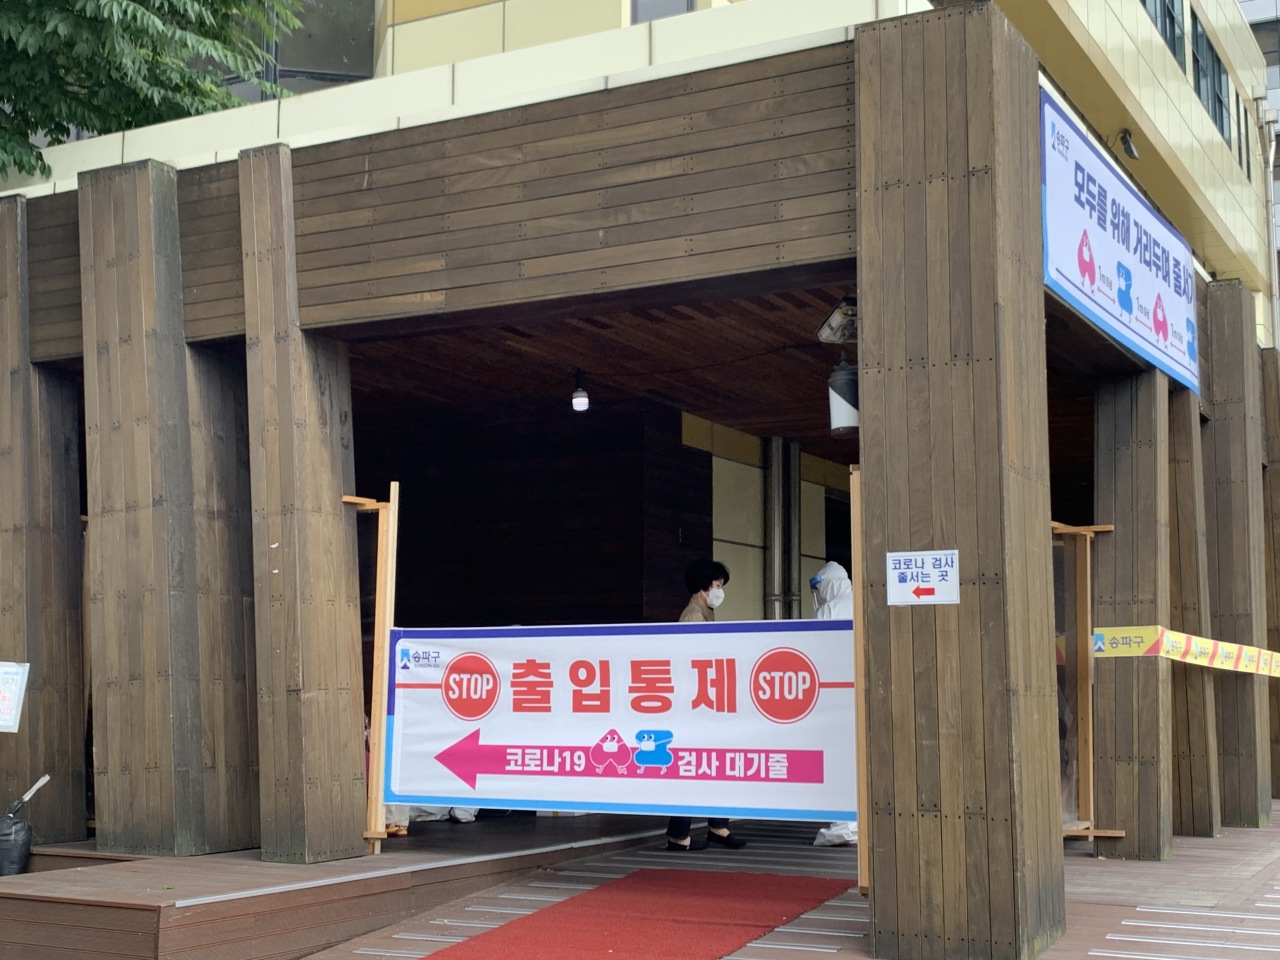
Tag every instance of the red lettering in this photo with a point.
(651, 686)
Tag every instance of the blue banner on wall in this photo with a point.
(1109, 255)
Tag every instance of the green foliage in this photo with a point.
(107, 65)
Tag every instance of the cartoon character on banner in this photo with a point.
(611, 750)
(1084, 260)
(1159, 321)
(652, 750)
(1124, 290)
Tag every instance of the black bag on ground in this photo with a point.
(15, 846)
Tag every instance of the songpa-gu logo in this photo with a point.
(1058, 141)
(411, 659)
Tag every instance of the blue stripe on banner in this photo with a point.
(665, 810)
(620, 630)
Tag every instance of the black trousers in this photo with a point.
(678, 827)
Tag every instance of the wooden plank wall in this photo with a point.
(171, 743)
(141, 611)
(224, 592)
(1271, 515)
(212, 269)
(1232, 438)
(736, 169)
(54, 256)
(1197, 797)
(305, 569)
(964, 805)
(1133, 735)
(39, 555)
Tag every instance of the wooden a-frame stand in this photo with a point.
(1082, 828)
(383, 619)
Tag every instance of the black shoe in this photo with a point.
(729, 840)
(685, 848)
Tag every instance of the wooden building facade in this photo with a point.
(183, 343)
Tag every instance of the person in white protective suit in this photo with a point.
(833, 600)
(398, 815)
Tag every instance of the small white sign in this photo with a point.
(13, 688)
(923, 577)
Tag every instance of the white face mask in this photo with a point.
(715, 597)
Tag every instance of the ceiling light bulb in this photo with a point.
(580, 400)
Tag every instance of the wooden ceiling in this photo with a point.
(753, 363)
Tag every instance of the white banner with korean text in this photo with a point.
(708, 719)
(13, 690)
(1109, 254)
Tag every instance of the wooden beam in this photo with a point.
(384, 611)
(1089, 833)
(223, 563)
(1197, 798)
(858, 576)
(40, 558)
(1132, 742)
(1084, 676)
(1271, 515)
(148, 744)
(1088, 531)
(963, 805)
(313, 784)
(167, 537)
(1234, 521)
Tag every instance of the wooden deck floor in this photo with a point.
(235, 907)
(1216, 900)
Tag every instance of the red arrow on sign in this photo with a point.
(923, 592)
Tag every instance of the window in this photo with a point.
(642, 11)
(1248, 150)
(1239, 139)
(1210, 79)
(334, 45)
(1167, 16)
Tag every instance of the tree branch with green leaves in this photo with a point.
(102, 66)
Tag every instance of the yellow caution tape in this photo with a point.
(1159, 642)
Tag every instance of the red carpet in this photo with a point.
(654, 915)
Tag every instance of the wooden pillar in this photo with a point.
(1197, 796)
(964, 804)
(170, 746)
(1233, 457)
(224, 591)
(1271, 514)
(1132, 739)
(40, 559)
(304, 543)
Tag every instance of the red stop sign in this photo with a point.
(784, 685)
(470, 686)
